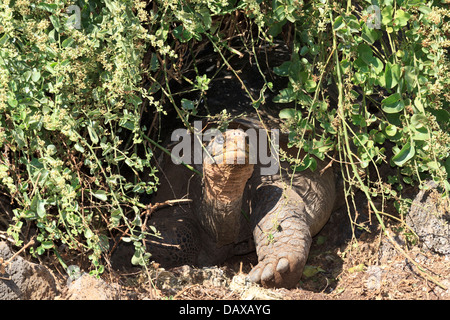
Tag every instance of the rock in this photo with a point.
(373, 274)
(24, 280)
(445, 294)
(387, 251)
(429, 218)
(88, 287)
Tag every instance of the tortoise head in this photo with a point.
(225, 174)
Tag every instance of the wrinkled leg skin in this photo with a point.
(282, 236)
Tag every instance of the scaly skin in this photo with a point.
(285, 216)
(282, 237)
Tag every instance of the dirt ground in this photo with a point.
(367, 267)
(343, 265)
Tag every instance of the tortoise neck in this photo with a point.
(223, 189)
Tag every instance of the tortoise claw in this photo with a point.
(255, 274)
(267, 273)
(283, 265)
(283, 255)
(279, 271)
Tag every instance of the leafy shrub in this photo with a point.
(391, 83)
(70, 106)
(71, 100)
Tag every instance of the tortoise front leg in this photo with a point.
(282, 237)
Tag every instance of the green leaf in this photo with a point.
(88, 233)
(100, 194)
(50, 7)
(116, 216)
(404, 155)
(187, 104)
(401, 18)
(279, 13)
(92, 134)
(35, 75)
(447, 166)
(365, 53)
(338, 23)
(425, 9)
(103, 243)
(182, 34)
(377, 65)
(433, 165)
(361, 139)
(55, 22)
(127, 124)
(47, 245)
(289, 113)
(420, 134)
(441, 115)
(40, 208)
(386, 15)
(370, 35)
(297, 73)
(68, 42)
(140, 257)
(50, 67)
(137, 222)
(12, 102)
(285, 96)
(282, 70)
(418, 121)
(308, 162)
(392, 75)
(304, 50)
(276, 28)
(310, 85)
(379, 137)
(206, 18)
(4, 39)
(303, 99)
(419, 105)
(410, 76)
(310, 271)
(393, 103)
(154, 63)
(79, 147)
